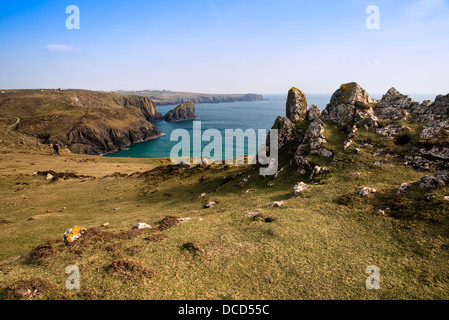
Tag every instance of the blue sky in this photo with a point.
(225, 46)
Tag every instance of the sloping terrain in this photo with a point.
(87, 122)
(363, 204)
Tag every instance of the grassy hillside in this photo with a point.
(87, 122)
(317, 246)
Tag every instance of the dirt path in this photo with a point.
(13, 125)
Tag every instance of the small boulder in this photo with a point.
(299, 188)
(252, 213)
(277, 204)
(73, 234)
(141, 226)
(210, 205)
(364, 192)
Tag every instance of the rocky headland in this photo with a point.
(86, 122)
(183, 112)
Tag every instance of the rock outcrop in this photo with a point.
(296, 105)
(313, 113)
(431, 181)
(350, 104)
(429, 111)
(311, 144)
(287, 132)
(183, 112)
(394, 106)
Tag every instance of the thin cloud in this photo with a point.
(61, 48)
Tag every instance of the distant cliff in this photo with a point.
(87, 122)
(161, 98)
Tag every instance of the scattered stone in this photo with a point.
(210, 205)
(50, 177)
(250, 191)
(367, 191)
(244, 181)
(347, 144)
(106, 225)
(381, 212)
(270, 184)
(252, 214)
(299, 188)
(355, 175)
(277, 204)
(73, 234)
(184, 220)
(202, 195)
(317, 171)
(141, 226)
(27, 289)
(431, 181)
(446, 199)
(183, 164)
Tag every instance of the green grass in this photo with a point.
(316, 248)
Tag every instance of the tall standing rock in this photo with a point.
(296, 105)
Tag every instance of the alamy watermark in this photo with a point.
(73, 281)
(73, 20)
(373, 20)
(190, 147)
(373, 281)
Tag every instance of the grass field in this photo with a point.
(316, 246)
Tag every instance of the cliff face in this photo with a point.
(164, 98)
(101, 139)
(182, 112)
(87, 122)
(145, 105)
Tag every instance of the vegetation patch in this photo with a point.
(27, 289)
(40, 254)
(129, 269)
(262, 218)
(168, 222)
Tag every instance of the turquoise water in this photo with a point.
(237, 115)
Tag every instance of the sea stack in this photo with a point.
(183, 112)
(296, 105)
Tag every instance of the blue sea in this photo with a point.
(236, 115)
